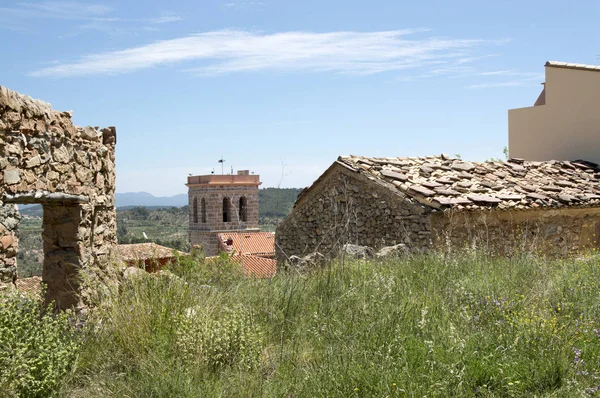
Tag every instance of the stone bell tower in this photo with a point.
(221, 203)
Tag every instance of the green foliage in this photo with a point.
(226, 339)
(438, 325)
(37, 348)
(276, 202)
(196, 268)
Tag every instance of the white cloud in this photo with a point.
(228, 51)
(86, 16)
(57, 10)
(166, 19)
(243, 5)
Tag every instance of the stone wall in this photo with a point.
(70, 170)
(208, 240)
(346, 207)
(544, 231)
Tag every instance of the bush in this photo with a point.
(37, 348)
(229, 339)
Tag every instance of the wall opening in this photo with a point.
(203, 210)
(195, 211)
(58, 261)
(226, 209)
(30, 256)
(243, 209)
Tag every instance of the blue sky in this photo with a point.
(284, 87)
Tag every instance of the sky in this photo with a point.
(284, 87)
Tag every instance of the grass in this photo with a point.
(461, 325)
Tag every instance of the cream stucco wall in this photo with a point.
(567, 127)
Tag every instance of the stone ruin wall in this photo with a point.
(346, 207)
(70, 170)
(543, 231)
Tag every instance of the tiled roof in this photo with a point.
(143, 251)
(443, 182)
(254, 266)
(568, 65)
(259, 267)
(31, 285)
(260, 243)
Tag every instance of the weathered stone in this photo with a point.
(12, 176)
(33, 162)
(90, 133)
(357, 251)
(44, 161)
(133, 273)
(7, 241)
(392, 251)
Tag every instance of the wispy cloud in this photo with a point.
(463, 68)
(82, 16)
(508, 78)
(166, 19)
(56, 10)
(229, 51)
(243, 5)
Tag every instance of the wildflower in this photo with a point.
(577, 358)
(355, 388)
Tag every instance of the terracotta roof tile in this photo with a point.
(253, 266)
(31, 285)
(258, 267)
(259, 243)
(454, 183)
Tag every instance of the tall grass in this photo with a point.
(464, 325)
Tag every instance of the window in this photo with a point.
(243, 209)
(226, 210)
(195, 210)
(203, 210)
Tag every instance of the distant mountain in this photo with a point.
(274, 202)
(147, 199)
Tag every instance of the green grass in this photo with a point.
(465, 325)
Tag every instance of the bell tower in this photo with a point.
(221, 203)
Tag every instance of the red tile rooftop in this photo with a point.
(257, 243)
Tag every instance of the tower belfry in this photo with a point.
(221, 203)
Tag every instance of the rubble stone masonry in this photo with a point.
(70, 170)
(345, 207)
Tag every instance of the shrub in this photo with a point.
(230, 339)
(37, 348)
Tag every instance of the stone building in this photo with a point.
(70, 171)
(439, 202)
(221, 204)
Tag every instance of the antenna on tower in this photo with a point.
(222, 161)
